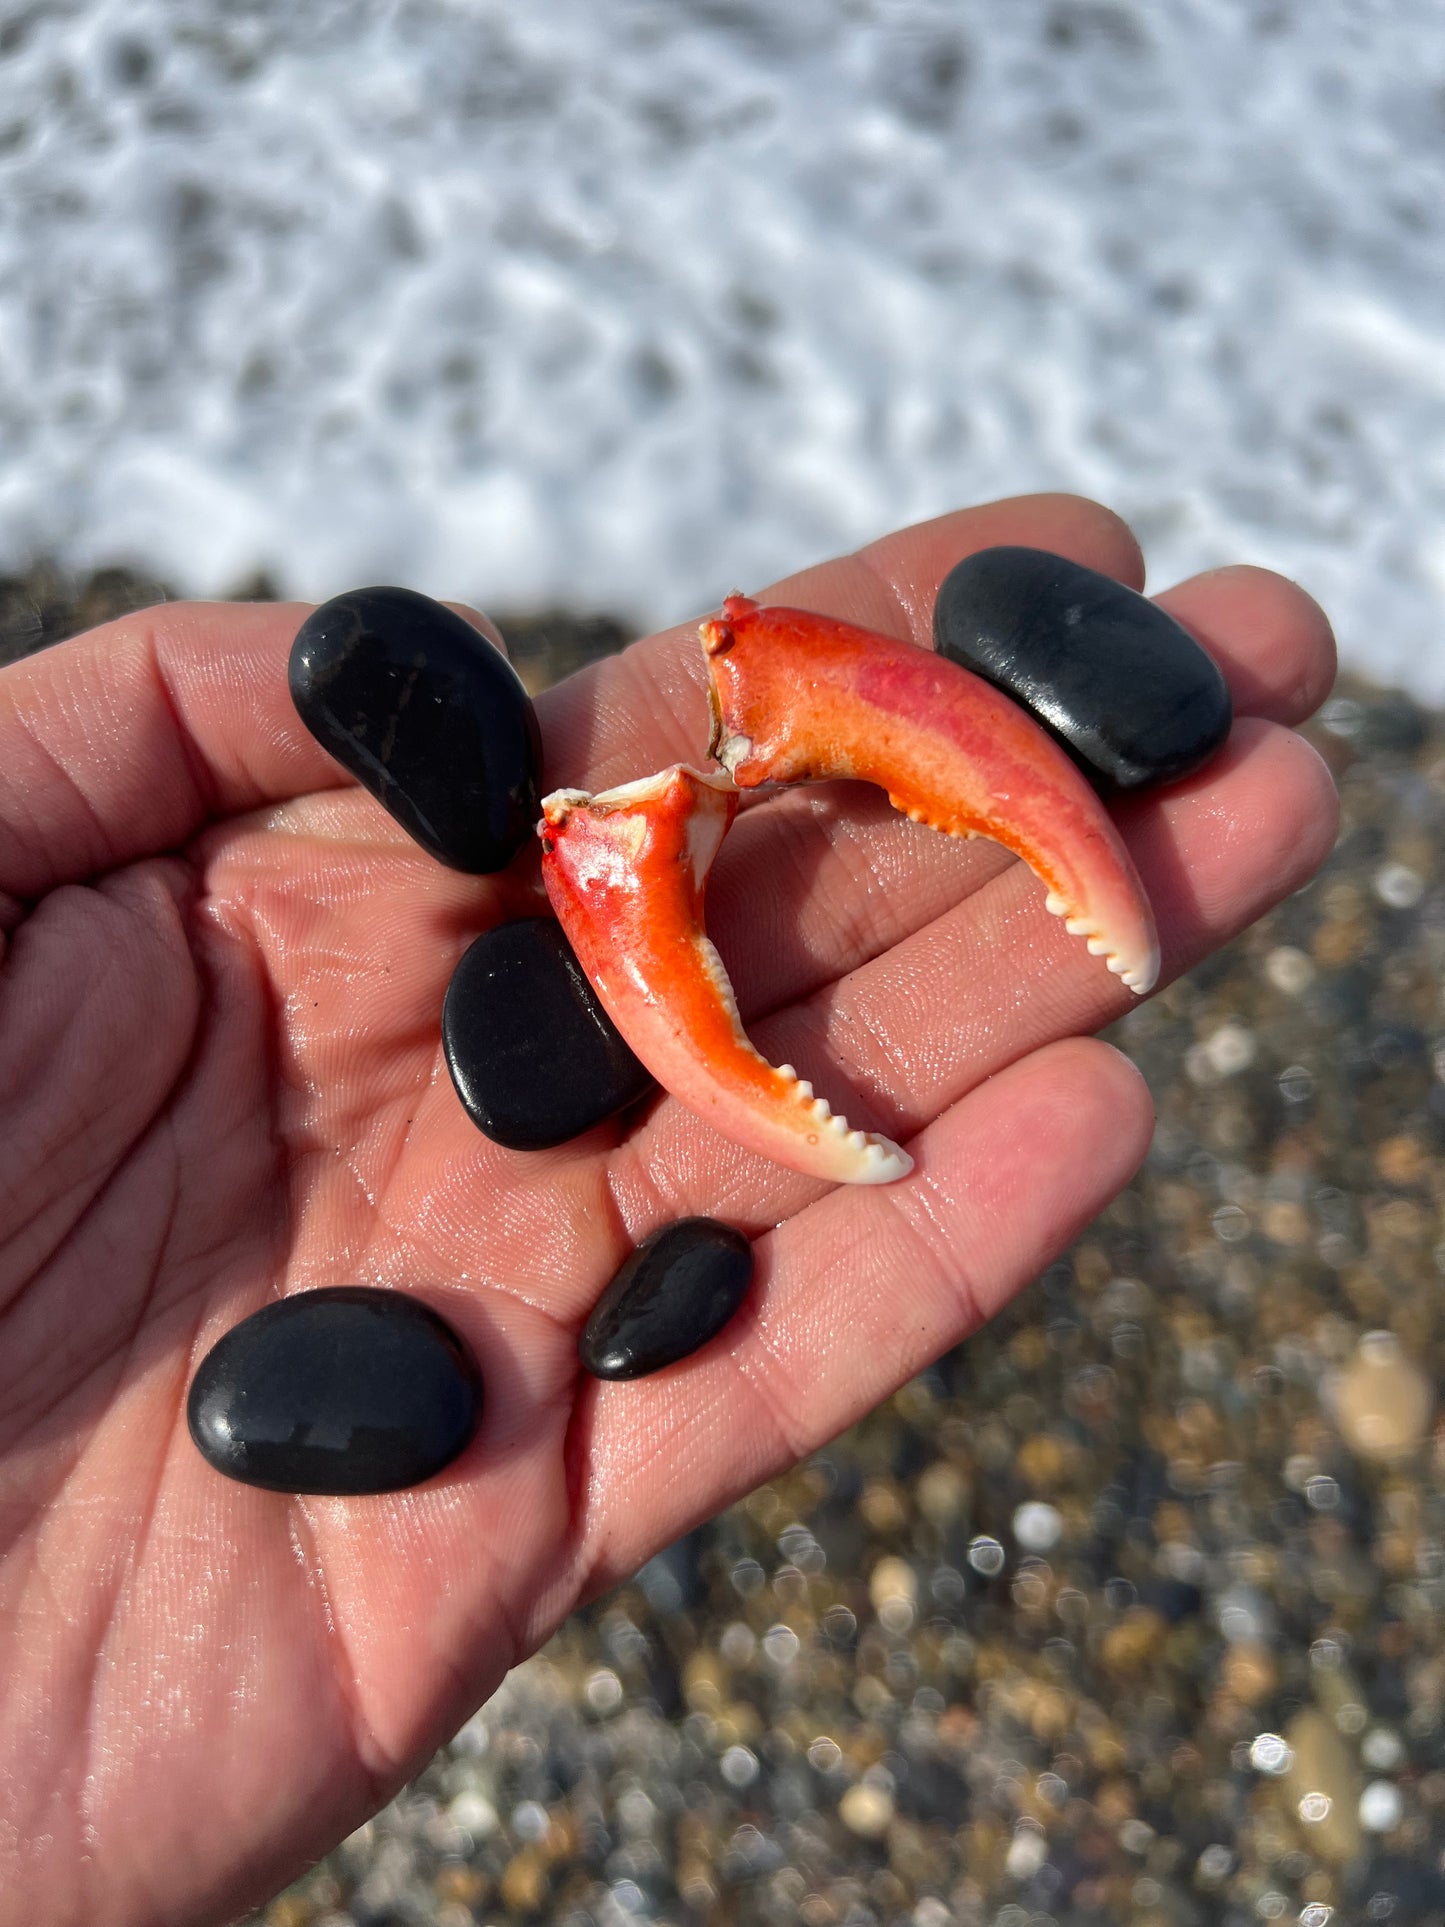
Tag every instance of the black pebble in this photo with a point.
(535, 1058)
(677, 1290)
(1123, 687)
(349, 1390)
(428, 715)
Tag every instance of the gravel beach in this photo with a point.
(1129, 1610)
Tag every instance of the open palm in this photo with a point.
(221, 1080)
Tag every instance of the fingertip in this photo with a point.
(1132, 1096)
(1273, 641)
(1224, 846)
(1106, 1089)
(1070, 525)
(1088, 532)
(1320, 798)
(891, 584)
(1070, 1121)
(1290, 786)
(483, 624)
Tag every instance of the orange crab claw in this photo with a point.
(625, 871)
(796, 696)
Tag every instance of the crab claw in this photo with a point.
(625, 871)
(796, 696)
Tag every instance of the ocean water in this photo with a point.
(619, 304)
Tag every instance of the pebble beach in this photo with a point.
(1128, 1610)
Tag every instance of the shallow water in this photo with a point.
(622, 307)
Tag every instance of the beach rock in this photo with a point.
(534, 1057)
(677, 1290)
(1382, 1400)
(1321, 1787)
(1381, 1808)
(347, 1390)
(893, 1582)
(867, 1810)
(424, 712)
(1120, 684)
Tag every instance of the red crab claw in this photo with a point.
(796, 696)
(625, 871)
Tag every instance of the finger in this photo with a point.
(996, 977)
(98, 1007)
(861, 1291)
(123, 742)
(646, 708)
(814, 883)
(892, 583)
(1272, 640)
(483, 624)
(126, 741)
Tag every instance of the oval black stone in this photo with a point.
(1120, 684)
(347, 1390)
(677, 1290)
(534, 1057)
(428, 715)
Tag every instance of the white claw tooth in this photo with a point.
(1055, 904)
(786, 1070)
(805, 1089)
(1097, 946)
(1116, 964)
(857, 1139)
(822, 1109)
(1076, 926)
(838, 1126)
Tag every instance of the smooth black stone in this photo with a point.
(428, 715)
(342, 1391)
(677, 1290)
(535, 1058)
(1122, 686)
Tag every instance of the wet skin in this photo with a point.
(221, 1079)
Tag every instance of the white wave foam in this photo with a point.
(626, 306)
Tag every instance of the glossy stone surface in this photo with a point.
(677, 1290)
(347, 1390)
(534, 1057)
(428, 715)
(1128, 692)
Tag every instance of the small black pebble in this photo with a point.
(677, 1290)
(535, 1058)
(1120, 684)
(348, 1390)
(428, 715)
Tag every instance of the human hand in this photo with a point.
(221, 1080)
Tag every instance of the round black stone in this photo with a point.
(420, 708)
(1120, 684)
(534, 1057)
(341, 1391)
(677, 1290)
